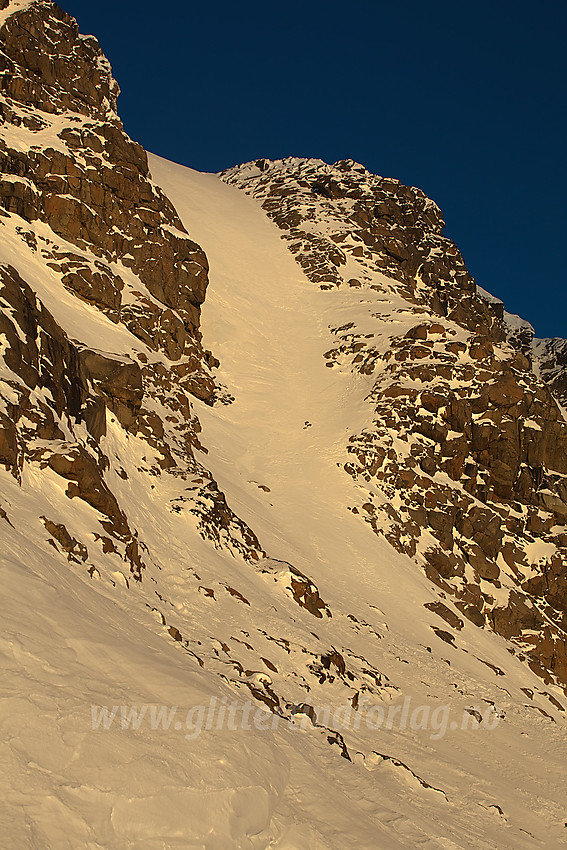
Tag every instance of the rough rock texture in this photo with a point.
(66, 161)
(550, 356)
(81, 219)
(468, 445)
(371, 223)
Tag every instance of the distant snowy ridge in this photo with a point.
(548, 355)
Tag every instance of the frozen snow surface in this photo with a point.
(74, 643)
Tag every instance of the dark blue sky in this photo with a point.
(466, 101)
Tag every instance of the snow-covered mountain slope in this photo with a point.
(214, 636)
(75, 642)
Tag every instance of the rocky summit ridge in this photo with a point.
(358, 495)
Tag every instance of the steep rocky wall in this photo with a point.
(81, 223)
(550, 356)
(370, 224)
(66, 161)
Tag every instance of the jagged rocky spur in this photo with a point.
(77, 199)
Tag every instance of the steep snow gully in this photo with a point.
(278, 452)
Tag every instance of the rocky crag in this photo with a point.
(78, 206)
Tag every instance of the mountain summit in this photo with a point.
(282, 495)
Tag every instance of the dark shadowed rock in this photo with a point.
(118, 381)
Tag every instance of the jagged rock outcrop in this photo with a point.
(372, 224)
(467, 443)
(79, 214)
(550, 356)
(48, 378)
(75, 169)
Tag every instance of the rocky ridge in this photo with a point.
(78, 205)
(550, 361)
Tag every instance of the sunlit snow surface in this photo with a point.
(70, 642)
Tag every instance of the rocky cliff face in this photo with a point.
(468, 446)
(82, 223)
(66, 162)
(550, 361)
